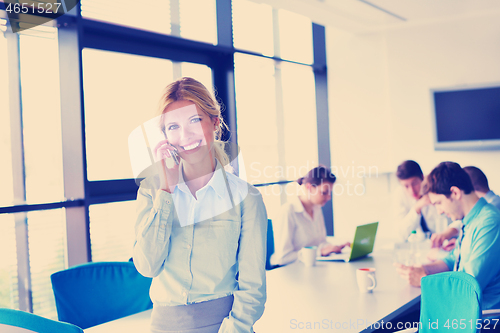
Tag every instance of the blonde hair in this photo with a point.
(189, 89)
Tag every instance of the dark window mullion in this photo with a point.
(109, 37)
(321, 83)
(223, 72)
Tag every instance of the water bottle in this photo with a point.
(414, 253)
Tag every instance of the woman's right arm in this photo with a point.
(153, 227)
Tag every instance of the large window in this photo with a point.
(295, 32)
(41, 117)
(257, 121)
(197, 20)
(6, 194)
(46, 231)
(42, 143)
(8, 264)
(249, 20)
(70, 97)
(120, 93)
(112, 231)
(275, 100)
(185, 18)
(154, 16)
(300, 124)
(31, 147)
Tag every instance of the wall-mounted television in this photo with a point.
(467, 118)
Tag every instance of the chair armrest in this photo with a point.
(409, 330)
(491, 313)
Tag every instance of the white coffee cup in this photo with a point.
(366, 279)
(308, 255)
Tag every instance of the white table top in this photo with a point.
(326, 294)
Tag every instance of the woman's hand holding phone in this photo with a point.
(168, 168)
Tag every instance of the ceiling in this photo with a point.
(373, 15)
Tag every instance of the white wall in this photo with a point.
(445, 55)
(380, 107)
(360, 126)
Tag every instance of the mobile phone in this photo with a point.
(174, 155)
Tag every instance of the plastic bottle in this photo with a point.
(413, 257)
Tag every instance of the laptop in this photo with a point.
(364, 239)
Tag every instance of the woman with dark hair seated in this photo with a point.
(301, 222)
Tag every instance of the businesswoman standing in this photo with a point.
(301, 222)
(200, 231)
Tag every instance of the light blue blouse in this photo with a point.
(479, 251)
(195, 248)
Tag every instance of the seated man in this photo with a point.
(482, 189)
(413, 210)
(450, 190)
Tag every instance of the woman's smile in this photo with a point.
(191, 148)
(190, 130)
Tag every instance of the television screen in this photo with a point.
(467, 119)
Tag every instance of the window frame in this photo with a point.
(76, 33)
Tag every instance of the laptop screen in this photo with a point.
(364, 239)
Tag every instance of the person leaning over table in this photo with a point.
(450, 190)
(414, 211)
(200, 231)
(301, 222)
(482, 189)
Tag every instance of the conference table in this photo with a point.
(324, 297)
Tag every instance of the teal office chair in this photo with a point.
(13, 321)
(98, 292)
(451, 301)
(270, 245)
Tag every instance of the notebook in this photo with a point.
(364, 239)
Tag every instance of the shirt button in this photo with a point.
(189, 246)
(168, 201)
(184, 294)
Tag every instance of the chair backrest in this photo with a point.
(16, 321)
(98, 292)
(270, 244)
(450, 300)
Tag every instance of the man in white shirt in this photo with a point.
(482, 189)
(413, 210)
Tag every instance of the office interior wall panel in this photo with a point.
(453, 54)
(360, 128)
